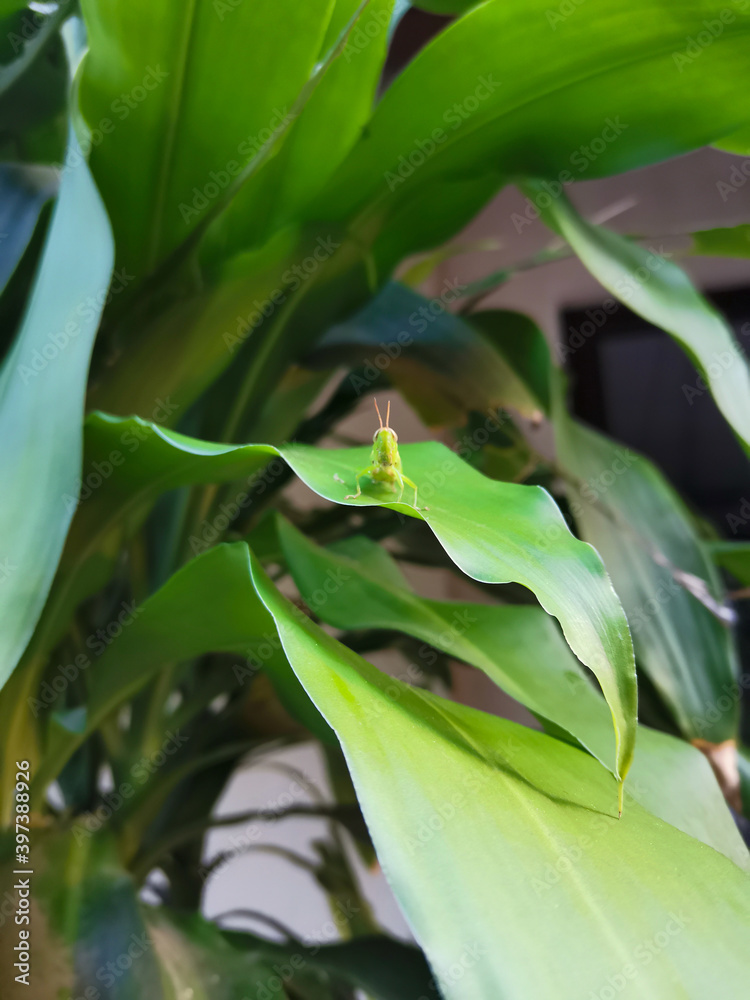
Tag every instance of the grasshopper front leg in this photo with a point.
(353, 496)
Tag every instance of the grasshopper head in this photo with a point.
(384, 440)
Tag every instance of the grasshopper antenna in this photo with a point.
(378, 411)
(388, 415)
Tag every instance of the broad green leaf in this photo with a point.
(42, 385)
(209, 605)
(502, 533)
(442, 364)
(178, 105)
(734, 556)
(659, 291)
(355, 584)
(502, 844)
(647, 540)
(324, 130)
(495, 532)
(24, 190)
(585, 83)
(734, 241)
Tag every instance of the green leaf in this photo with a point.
(502, 844)
(515, 77)
(663, 294)
(355, 584)
(504, 533)
(325, 130)
(445, 366)
(733, 241)
(646, 537)
(181, 108)
(738, 142)
(42, 385)
(734, 556)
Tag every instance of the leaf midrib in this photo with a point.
(167, 156)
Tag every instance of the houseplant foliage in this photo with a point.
(234, 187)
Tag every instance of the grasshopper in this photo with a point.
(385, 461)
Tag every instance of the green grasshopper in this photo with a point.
(385, 461)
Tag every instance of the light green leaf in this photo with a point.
(502, 844)
(182, 107)
(355, 584)
(42, 387)
(660, 292)
(647, 540)
(323, 133)
(737, 142)
(502, 533)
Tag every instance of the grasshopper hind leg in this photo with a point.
(409, 482)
